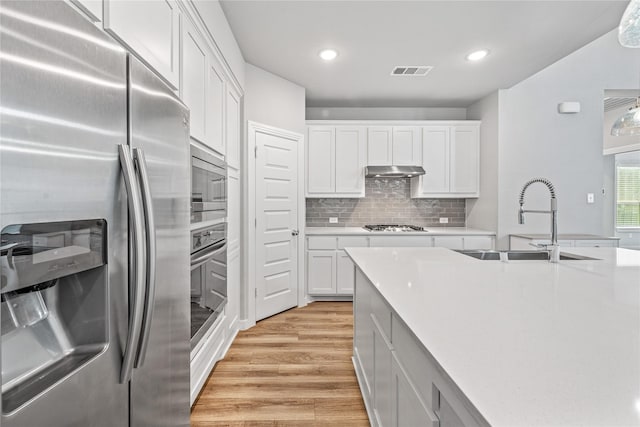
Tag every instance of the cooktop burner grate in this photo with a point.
(393, 227)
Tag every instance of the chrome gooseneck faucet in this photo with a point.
(553, 248)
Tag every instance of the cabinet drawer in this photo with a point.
(353, 242)
(321, 243)
(400, 241)
(449, 242)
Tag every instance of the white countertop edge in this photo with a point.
(430, 231)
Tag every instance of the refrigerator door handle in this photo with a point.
(137, 223)
(141, 166)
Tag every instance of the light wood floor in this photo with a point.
(292, 369)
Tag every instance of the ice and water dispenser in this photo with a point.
(54, 304)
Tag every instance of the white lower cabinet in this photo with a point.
(345, 274)
(321, 272)
(401, 383)
(330, 271)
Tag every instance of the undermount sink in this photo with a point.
(520, 255)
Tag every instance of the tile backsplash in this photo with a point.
(386, 201)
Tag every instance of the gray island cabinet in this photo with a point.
(401, 383)
(443, 339)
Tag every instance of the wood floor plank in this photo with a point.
(292, 369)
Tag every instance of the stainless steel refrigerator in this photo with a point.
(94, 203)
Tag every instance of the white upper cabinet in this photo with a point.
(350, 156)
(379, 150)
(203, 89)
(215, 115)
(194, 80)
(435, 159)
(149, 28)
(321, 145)
(397, 145)
(451, 160)
(465, 159)
(233, 117)
(336, 158)
(405, 147)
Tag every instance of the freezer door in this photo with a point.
(159, 127)
(62, 114)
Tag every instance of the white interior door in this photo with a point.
(276, 223)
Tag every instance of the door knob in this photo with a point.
(294, 232)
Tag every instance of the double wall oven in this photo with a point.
(208, 241)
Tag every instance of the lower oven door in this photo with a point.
(208, 288)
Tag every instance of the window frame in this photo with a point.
(623, 163)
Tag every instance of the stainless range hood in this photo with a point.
(393, 171)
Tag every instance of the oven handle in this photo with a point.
(198, 259)
(208, 206)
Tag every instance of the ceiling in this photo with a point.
(284, 37)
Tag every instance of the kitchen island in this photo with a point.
(444, 338)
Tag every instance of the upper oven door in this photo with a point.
(208, 187)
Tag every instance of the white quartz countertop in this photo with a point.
(430, 231)
(577, 236)
(530, 343)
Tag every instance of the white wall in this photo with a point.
(483, 212)
(384, 113)
(217, 24)
(566, 148)
(274, 101)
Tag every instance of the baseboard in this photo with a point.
(335, 298)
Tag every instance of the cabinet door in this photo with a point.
(379, 151)
(407, 410)
(363, 333)
(233, 128)
(194, 80)
(215, 113)
(435, 159)
(381, 377)
(406, 146)
(321, 272)
(320, 160)
(149, 28)
(345, 274)
(350, 158)
(464, 159)
(449, 242)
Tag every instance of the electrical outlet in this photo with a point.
(444, 220)
(590, 198)
(333, 220)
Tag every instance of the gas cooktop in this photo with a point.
(393, 227)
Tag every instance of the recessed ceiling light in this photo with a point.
(477, 55)
(328, 54)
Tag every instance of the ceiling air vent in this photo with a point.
(411, 70)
